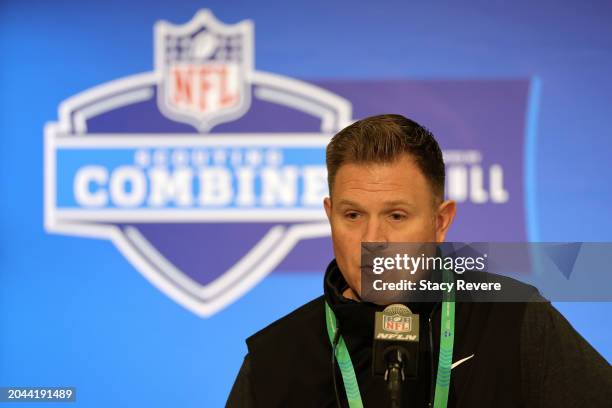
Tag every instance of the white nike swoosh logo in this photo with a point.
(463, 360)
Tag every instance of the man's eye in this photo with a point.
(398, 216)
(352, 215)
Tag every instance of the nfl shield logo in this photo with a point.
(397, 323)
(205, 69)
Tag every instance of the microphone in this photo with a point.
(396, 348)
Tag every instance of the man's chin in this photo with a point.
(349, 293)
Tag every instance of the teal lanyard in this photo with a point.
(344, 361)
(447, 338)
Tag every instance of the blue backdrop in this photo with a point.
(74, 312)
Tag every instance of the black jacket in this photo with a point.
(524, 355)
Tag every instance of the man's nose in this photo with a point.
(374, 232)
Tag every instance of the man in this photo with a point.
(386, 183)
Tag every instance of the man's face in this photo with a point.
(382, 203)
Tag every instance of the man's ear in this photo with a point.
(444, 219)
(328, 207)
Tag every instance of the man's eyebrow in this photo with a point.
(348, 203)
(396, 203)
